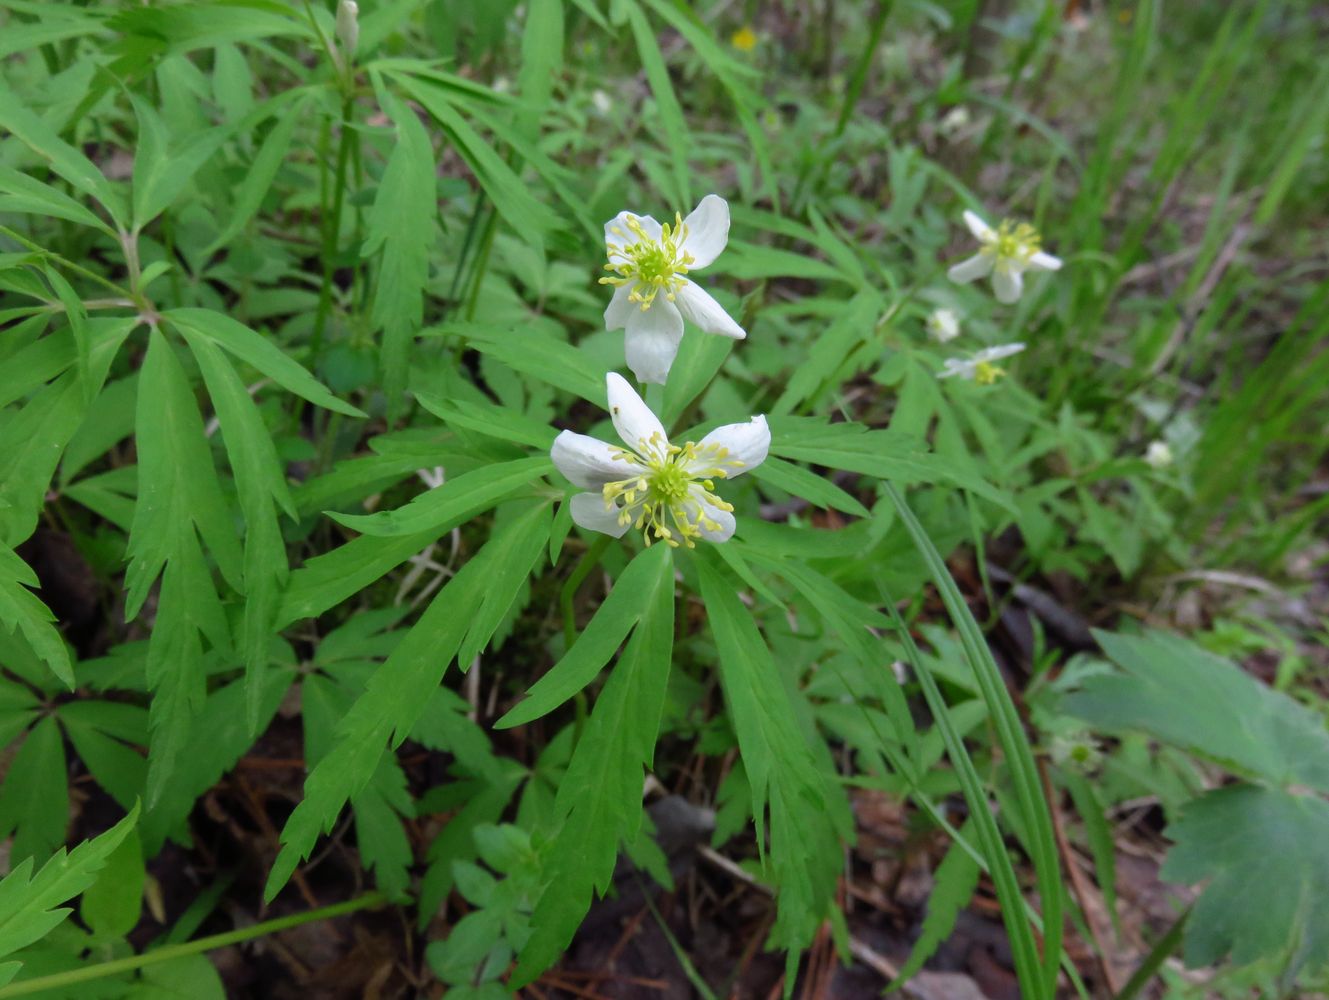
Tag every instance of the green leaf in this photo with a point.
(261, 483)
(880, 453)
(541, 61)
(518, 548)
(531, 352)
(401, 226)
(24, 194)
(22, 611)
(800, 482)
(111, 905)
(491, 420)
(634, 591)
(162, 168)
(28, 903)
(953, 886)
(178, 493)
(220, 737)
(34, 802)
(528, 216)
(1265, 856)
(1186, 696)
(805, 813)
(259, 352)
(64, 159)
(456, 498)
(331, 578)
(600, 795)
(677, 140)
(396, 696)
(259, 177)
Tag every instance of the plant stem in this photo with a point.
(23, 241)
(332, 232)
(101, 970)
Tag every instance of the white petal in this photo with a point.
(1007, 283)
(618, 234)
(977, 266)
(588, 462)
(981, 230)
(697, 306)
(707, 230)
(747, 442)
(588, 510)
(620, 309)
(1044, 262)
(651, 342)
(721, 517)
(998, 352)
(954, 367)
(633, 419)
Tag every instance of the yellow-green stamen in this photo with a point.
(649, 265)
(1013, 242)
(670, 495)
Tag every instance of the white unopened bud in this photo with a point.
(944, 325)
(1158, 455)
(348, 26)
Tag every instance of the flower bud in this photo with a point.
(348, 26)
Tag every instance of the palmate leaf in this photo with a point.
(179, 499)
(628, 600)
(63, 158)
(806, 815)
(260, 352)
(34, 802)
(1265, 855)
(881, 453)
(599, 798)
(455, 499)
(1186, 696)
(401, 225)
(28, 903)
(22, 611)
(398, 693)
(163, 168)
(262, 486)
(31, 442)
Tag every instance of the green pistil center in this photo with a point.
(649, 265)
(1015, 241)
(668, 483)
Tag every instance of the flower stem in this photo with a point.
(60, 980)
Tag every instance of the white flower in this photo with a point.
(979, 367)
(1158, 455)
(944, 325)
(1007, 252)
(663, 490)
(953, 121)
(650, 264)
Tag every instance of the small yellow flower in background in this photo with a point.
(744, 39)
(944, 325)
(663, 490)
(1006, 253)
(1158, 455)
(980, 367)
(649, 266)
